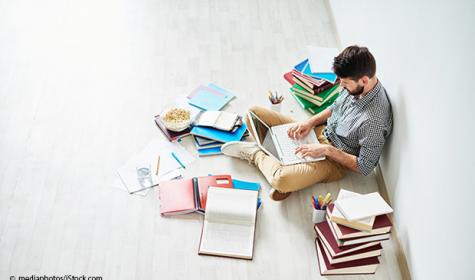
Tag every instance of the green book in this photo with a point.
(312, 108)
(320, 98)
(305, 104)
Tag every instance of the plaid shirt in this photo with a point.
(361, 126)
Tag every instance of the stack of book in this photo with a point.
(210, 127)
(313, 91)
(348, 245)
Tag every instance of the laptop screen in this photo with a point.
(263, 132)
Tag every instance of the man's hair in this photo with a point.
(354, 62)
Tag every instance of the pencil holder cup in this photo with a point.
(318, 216)
(276, 107)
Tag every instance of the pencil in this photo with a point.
(158, 165)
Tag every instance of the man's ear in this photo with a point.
(365, 80)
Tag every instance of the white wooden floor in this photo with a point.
(79, 84)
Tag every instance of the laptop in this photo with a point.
(275, 141)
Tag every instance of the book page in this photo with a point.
(232, 206)
(229, 224)
(227, 239)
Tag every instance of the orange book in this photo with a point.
(188, 195)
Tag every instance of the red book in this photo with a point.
(325, 234)
(362, 266)
(288, 78)
(309, 79)
(182, 196)
(381, 225)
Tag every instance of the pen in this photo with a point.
(178, 160)
(158, 165)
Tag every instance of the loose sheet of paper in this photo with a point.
(321, 59)
(149, 155)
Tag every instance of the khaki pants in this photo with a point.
(291, 178)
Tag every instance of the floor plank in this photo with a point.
(79, 83)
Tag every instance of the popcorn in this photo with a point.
(177, 115)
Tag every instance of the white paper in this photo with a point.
(321, 59)
(158, 146)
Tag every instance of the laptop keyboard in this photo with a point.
(287, 144)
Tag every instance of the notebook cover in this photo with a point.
(204, 152)
(355, 263)
(205, 182)
(244, 185)
(380, 221)
(219, 135)
(171, 135)
(176, 197)
(228, 95)
(209, 98)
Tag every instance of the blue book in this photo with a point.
(304, 68)
(211, 98)
(301, 66)
(219, 135)
(244, 185)
(209, 151)
(229, 95)
(250, 186)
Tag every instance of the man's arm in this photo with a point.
(320, 118)
(347, 160)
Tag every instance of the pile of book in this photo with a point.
(211, 127)
(349, 240)
(313, 91)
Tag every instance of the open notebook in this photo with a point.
(229, 224)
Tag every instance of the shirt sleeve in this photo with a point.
(371, 140)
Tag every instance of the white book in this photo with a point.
(363, 206)
(217, 119)
(365, 224)
(229, 224)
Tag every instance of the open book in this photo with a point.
(229, 224)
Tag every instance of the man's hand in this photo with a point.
(299, 130)
(312, 150)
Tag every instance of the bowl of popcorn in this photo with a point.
(176, 118)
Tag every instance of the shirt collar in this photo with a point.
(369, 96)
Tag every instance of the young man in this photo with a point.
(351, 132)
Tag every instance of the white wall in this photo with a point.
(425, 59)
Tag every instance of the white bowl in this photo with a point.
(176, 125)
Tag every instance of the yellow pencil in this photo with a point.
(320, 201)
(327, 197)
(158, 165)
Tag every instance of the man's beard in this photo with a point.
(359, 90)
